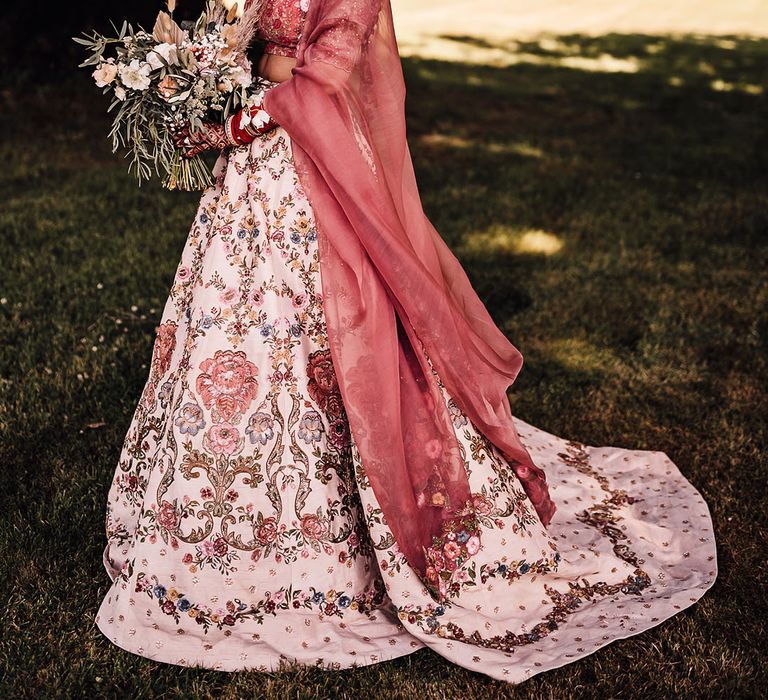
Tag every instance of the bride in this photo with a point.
(323, 467)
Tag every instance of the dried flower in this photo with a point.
(166, 30)
(234, 8)
(169, 80)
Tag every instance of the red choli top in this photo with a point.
(281, 24)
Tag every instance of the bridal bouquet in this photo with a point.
(171, 79)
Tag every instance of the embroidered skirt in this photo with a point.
(242, 532)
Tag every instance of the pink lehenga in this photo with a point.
(244, 530)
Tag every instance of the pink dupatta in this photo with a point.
(392, 289)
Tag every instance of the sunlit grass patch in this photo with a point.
(504, 239)
(452, 141)
(580, 355)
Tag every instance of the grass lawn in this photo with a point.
(616, 225)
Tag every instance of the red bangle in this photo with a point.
(229, 130)
(246, 134)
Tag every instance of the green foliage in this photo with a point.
(615, 224)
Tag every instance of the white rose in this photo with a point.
(153, 59)
(135, 75)
(166, 51)
(120, 93)
(105, 74)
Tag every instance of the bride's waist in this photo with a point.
(275, 68)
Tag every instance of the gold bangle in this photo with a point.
(248, 129)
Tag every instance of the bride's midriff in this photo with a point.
(275, 68)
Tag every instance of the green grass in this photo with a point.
(616, 225)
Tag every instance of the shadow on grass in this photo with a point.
(613, 222)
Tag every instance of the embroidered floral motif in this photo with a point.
(280, 25)
(323, 387)
(423, 616)
(227, 383)
(434, 492)
(260, 428)
(190, 420)
(179, 605)
(335, 603)
(165, 344)
(601, 516)
(458, 541)
(513, 570)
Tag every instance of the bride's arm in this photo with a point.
(332, 52)
(238, 129)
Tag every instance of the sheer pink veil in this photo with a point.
(393, 292)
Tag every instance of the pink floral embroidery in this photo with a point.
(223, 439)
(322, 385)
(313, 527)
(434, 492)
(266, 532)
(280, 26)
(228, 383)
(481, 504)
(433, 448)
(165, 344)
(229, 296)
(459, 540)
(167, 516)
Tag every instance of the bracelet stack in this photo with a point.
(229, 131)
(239, 133)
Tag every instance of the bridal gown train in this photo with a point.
(243, 533)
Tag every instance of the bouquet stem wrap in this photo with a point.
(392, 289)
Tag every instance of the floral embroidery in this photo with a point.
(227, 383)
(513, 570)
(426, 615)
(280, 25)
(176, 604)
(333, 602)
(311, 427)
(165, 344)
(260, 428)
(457, 415)
(434, 492)
(323, 387)
(190, 420)
(458, 541)
(602, 517)
(238, 477)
